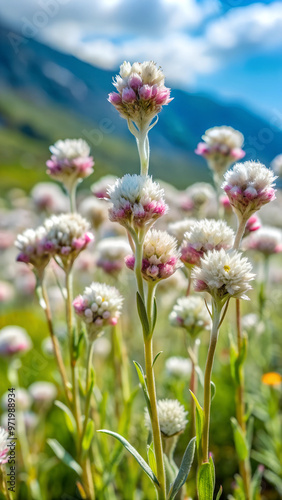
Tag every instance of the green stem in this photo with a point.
(148, 344)
(72, 197)
(150, 303)
(143, 150)
(241, 226)
(88, 394)
(138, 266)
(207, 382)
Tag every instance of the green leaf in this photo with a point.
(212, 470)
(199, 426)
(156, 357)
(134, 453)
(240, 440)
(213, 390)
(152, 458)
(205, 482)
(250, 431)
(64, 456)
(88, 436)
(256, 483)
(143, 315)
(69, 418)
(155, 313)
(143, 384)
(184, 469)
(274, 479)
(219, 493)
(78, 346)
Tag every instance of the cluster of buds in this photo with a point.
(172, 417)
(141, 92)
(191, 314)
(267, 240)
(160, 256)
(98, 307)
(34, 247)
(253, 224)
(70, 161)
(249, 186)
(111, 253)
(222, 146)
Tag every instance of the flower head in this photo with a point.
(94, 210)
(253, 224)
(137, 201)
(67, 236)
(14, 340)
(34, 248)
(48, 197)
(43, 393)
(223, 275)
(141, 92)
(179, 228)
(111, 253)
(4, 449)
(172, 417)
(100, 188)
(204, 235)
(222, 147)
(190, 313)
(249, 186)
(160, 256)
(99, 306)
(70, 161)
(272, 378)
(178, 366)
(267, 240)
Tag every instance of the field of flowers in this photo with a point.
(140, 334)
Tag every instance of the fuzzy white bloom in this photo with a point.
(200, 193)
(224, 135)
(99, 306)
(178, 366)
(179, 228)
(48, 196)
(67, 236)
(100, 188)
(111, 253)
(137, 201)
(160, 256)
(22, 399)
(34, 248)
(70, 149)
(249, 186)
(204, 235)
(172, 417)
(70, 161)
(223, 275)
(276, 165)
(14, 340)
(267, 240)
(190, 313)
(43, 393)
(4, 449)
(94, 210)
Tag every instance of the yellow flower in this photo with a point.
(271, 378)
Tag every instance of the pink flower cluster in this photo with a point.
(154, 272)
(253, 224)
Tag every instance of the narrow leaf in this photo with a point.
(69, 418)
(240, 440)
(155, 313)
(199, 426)
(143, 384)
(205, 482)
(156, 357)
(219, 493)
(134, 453)
(212, 470)
(143, 314)
(152, 458)
(250, 431)
(64, 456)
(184, 469)
(88, 436)
(213, 390)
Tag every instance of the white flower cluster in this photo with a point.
(178, 366)
(267, 240)
(4, 450)
(94, 210)
(224, 135)
(172, 417)
(14, 340)
(137, 201)
(32, 246)
(43, 393)
(111, 253)
(179, 228)
(223, 275)
(190, 313)
(70, 149)
(148, 71)
(99, 306)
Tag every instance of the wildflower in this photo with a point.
(14, 340)
(67, 236)
(111, 253)
(43, 393)
(249, 186)
(204, 235)
(35, 249)
(172, 417)
(94, 210)
(178, 366)
(141, 92)
(160, 256)
(48, 197)
(223, 275)
(100, 188)
(70, 161)
(253, 224)
(271, 378)
(4, 449)
(267, 240)
(190, 313)
(276, 165)
(137, 201)
(198, 196)
(179, 228)
(222, 147)
(99, 306)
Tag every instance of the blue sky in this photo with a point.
(231, 49)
